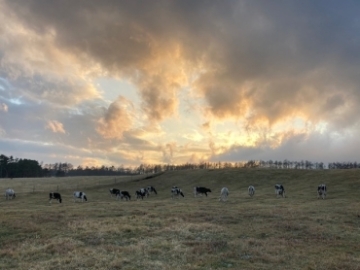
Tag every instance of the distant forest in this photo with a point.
(11, 167)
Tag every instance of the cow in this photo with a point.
(201, 190)
(151, 189)
(10, 194)
(55, 196)
(79, 195)
(114, 191)
(124, 195)
(141, 193)
(279, 190)
(321, 190)
(224, 193)
(176, 192)
(251, 191)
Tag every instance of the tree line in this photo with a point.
(11, 167)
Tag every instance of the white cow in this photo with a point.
(79, 195)
(251, 191)
(224, 193)
(322, 191)
(10, 194)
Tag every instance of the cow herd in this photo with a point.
(176, 192)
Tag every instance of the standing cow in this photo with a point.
(201, 190)
(10, 194)
(224, 193)
(141, 193)
(279, 190)
(79, 195)
(124, 195)
(176, 192)
(251, 191)
(114, 191)
(150, 189)
(55, 196)
(322, 191)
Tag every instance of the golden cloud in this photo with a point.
(55, 126)
(3, 107)
(117, 119)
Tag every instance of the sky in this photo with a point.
(117, 82)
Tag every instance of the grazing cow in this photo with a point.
(150, 189)
(79, 195)
(124, 195)
(224, 193)
(201, 190)
(279, 190)
(322, 191)
(176, 192)
(55, 196)
(10, 194)
(141, 193)
(251, 191)
(114, 191)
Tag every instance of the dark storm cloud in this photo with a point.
(258, 56)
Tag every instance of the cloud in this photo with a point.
(316, 147)
(250, 60)
(117, 119)
(55, 126)
(3, 107)
(38, 69)
(274, 70)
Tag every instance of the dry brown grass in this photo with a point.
(299, 232)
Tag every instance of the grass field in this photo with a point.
(263, 232)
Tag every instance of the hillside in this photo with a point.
(297, 232)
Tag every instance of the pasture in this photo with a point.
(263, 232)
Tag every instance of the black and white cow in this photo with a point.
(201, 190)
(322, 191)
(79, 195)
(251, 191)
(176, 192)
(55, 196)
(10, 194)
(141, 193)
(114, 191)
(279, 190)
(124, 195)
(151, 189)
(224, 193)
